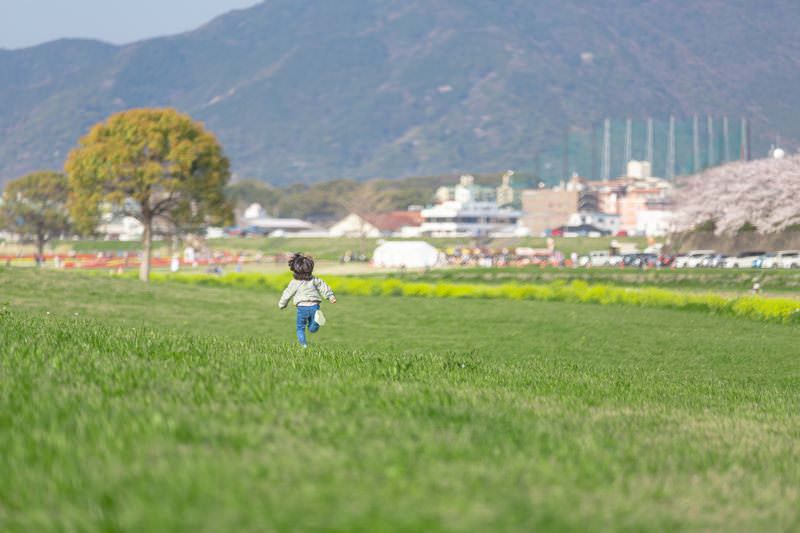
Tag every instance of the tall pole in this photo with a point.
(726, 148)
(605, 174)
(628, 141)
(670, 174)
(742, 138)
(650, 141)
(712, 157)
(749, 146)
(696, 143)
(593, 172)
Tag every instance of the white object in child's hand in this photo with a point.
(319, 318)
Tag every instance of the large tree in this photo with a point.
(156, 165)
(35, 206)
(760, 194)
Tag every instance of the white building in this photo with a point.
(654, 222)
(269, 225)
(255, 216)
(354, 225)
(603, 221)
(405, 254)
(254, 211)
(454, 218)
(466, 191)
(640, 169)
(121, 228)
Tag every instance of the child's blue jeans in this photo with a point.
(305, 318)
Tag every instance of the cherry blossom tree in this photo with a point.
(764, 194)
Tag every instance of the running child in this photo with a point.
(306, 293)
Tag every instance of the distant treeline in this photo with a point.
(334, 199)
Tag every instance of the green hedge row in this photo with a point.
(782, 310)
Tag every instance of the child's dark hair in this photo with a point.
(301, 266)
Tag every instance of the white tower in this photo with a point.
(670, 173)
(696, 143)
(726, 149)
(649, 154)
(628, 141)
(712, 157)
(744, 147)
(605, 173)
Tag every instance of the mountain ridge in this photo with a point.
(389, 88)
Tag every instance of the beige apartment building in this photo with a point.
(545, 209)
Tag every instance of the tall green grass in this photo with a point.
(782, 310)
(127, 428)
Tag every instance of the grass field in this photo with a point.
(177, 407)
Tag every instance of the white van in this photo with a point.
(693, 259)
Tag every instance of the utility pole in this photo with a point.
(628, 141)
(696, 143)
(726, 149)
(712, 157)
(670, 174)
(744, 140)
(605, 174)
(593, 172)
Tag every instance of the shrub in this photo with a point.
(752, 307)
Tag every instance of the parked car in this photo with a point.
(583, 230)
(666, 260)
(782, 259)
(759, 261)
(744, 260)
(713, 261)
(598, 258)
(694, 258)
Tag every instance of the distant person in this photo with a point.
(306, 293)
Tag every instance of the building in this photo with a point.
(545, 209)
(466, 191)
(602, 221)
(627, 196)
(394, 223)
(120, 228)
(655, 222)
(406, 254)
(255, 220)
(505, 193)
(453, 218)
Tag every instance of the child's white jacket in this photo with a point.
(305, 291)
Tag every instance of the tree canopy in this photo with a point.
(156, 165)
(35, 206)
(760, 195)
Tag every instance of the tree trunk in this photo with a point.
(40, 250)
(147, 242)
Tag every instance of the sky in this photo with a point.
(26, 23)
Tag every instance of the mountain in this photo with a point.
(308, 91)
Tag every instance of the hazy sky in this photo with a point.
(29, 22)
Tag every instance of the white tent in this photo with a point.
(409, 254)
